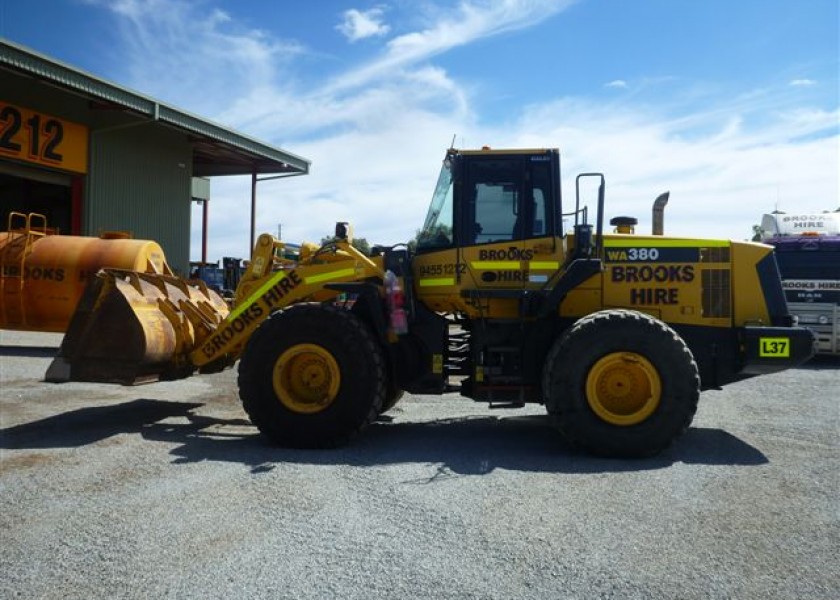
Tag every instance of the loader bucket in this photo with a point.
(131, 327)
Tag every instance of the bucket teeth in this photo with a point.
(132, 327)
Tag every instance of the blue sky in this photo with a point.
(733, 106)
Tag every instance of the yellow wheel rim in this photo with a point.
(623, 388)
(306, 378)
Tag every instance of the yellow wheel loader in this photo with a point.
(505, 298)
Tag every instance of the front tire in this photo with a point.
(620, 383)
(312, 376)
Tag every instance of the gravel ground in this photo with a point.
(166, 491)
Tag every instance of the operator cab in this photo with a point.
(493, 196)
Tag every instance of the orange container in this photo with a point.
(43, 275)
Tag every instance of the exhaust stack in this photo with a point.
(659, 213)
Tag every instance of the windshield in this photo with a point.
(437, 229)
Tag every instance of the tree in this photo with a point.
(439, 236)
(360, 244)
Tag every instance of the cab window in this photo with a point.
(506, 200)
(493, 194)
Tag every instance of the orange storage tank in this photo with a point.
(44, 274)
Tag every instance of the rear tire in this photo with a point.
(312, 376)
(620, 383)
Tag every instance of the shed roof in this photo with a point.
(217, 150)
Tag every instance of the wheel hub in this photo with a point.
(306, 378)
(623, 388)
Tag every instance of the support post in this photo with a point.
(204, 211)
(253, 209)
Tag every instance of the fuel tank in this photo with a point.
(43, 274)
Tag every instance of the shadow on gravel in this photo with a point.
(88, 425)
(820, 362)
(477, 445)
(29, 351)
(463, 446)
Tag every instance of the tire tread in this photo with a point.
(354, 334)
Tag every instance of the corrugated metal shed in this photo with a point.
(217, 150)
(143, 153)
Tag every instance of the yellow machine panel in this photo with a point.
(680, 281)
(454, 280)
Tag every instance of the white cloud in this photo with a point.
(617, 83)
(358, 25)
(376, 132)
(381, 177)
(803, 82)
(471, 21)
(197, 59)
(721, 181)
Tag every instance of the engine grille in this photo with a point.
(717, 296)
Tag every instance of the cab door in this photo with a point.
(509, 228)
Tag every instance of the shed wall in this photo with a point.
(140, 180)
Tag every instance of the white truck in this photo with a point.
(808, 254)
